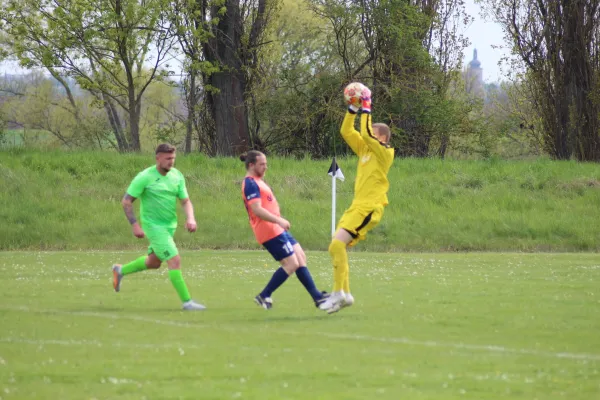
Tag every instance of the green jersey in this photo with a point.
(158, 195)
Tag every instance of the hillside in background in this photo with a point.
(55, 200)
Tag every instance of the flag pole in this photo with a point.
(333, 183)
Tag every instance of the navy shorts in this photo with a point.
(281, 246)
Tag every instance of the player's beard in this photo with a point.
(257, 173)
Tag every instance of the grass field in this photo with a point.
(424, 326)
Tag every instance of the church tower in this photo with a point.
(474, 77)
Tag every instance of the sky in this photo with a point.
(483, 35)
(9, 67)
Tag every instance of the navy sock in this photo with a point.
(306, 279)
(277, 280)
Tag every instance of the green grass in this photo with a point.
(71, 201)
(424, 326)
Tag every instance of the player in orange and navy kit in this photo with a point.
(375, 157)
(272, 231)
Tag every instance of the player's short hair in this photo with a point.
(250, 157)
(383, 130)
(165, 148)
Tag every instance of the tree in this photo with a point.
(192, 26)
(300, 87)
(510, 113)
(385, 44)
(221, 39)
(408, 52)
(114, 49)
(163, 116)
(41, 104)
(557, 43)
(445, 43)
(417, 49)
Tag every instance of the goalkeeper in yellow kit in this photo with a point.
(375, 157)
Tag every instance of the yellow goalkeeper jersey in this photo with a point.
(374, 161)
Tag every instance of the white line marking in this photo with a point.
(489, 348)
(155, 346)
(365, 338)
(95, 343)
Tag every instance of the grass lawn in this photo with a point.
(424, 326)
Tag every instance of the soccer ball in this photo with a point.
(352, 93)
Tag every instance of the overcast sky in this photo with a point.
(483, 35)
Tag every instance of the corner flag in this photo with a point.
(334, 172)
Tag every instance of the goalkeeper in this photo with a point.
(375, 157)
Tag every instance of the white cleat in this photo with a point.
(264, 302)
(334, 302)
(191, 305)
(348, 300)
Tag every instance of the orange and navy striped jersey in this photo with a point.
(374, 161)
(254, 189)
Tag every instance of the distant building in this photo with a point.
(474, 77)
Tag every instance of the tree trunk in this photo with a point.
(134, 121)
(445, 141)
(583, 116)
(115, 123)
(227, 102)
(229, 112)
(191, 107)
(558, 43)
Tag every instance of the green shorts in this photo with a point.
(161, 242)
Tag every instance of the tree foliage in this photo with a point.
(114, 49)
(558, 45)
(221, 40)
(263, 74)
(408, 53)
(40, 104)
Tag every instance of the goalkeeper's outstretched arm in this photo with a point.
(377, 144)
(351, 135)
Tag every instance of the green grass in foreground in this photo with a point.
(424, 326)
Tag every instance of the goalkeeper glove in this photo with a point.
(366, 100)
(352, 109)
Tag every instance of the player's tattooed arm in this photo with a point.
(127, 204)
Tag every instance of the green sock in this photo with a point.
(137, 265)
(179, 284)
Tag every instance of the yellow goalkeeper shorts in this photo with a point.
(360, 219)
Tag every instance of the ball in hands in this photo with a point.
(353, 93)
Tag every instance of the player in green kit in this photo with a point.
(158, 188)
